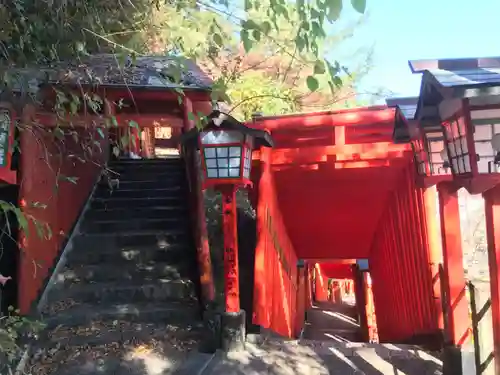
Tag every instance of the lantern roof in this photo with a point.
(419, 66)
(456, 78)
(401, 132)
(115, 71)
(218, 120)
(407, 105)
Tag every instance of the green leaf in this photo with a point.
(249, 25)
(265, 27)
(319, 67)
(256, 35)
(248, 5)
(317, 30)
(133, 124)
(59, 133)
(245, 38)
(300, 43)
(359, 5)
(218, 39)
(100, 132)
(334, 10)
(312, 83)
(191, 116)
(21, 219)
(71, 179)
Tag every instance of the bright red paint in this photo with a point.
(492, 210)
(39, 181)
(231, 274)
(275, 289)
(457, 306)
(64, 199)
(197, 207)
(336, 270)
(343, 200)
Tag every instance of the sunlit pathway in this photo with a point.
(329, 347)
(332, 321)
(324, 358)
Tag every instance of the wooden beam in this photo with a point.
(356, 117)
(346, 152)
(144, 121)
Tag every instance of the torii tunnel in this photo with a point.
(334, 189)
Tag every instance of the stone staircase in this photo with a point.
(125, 300)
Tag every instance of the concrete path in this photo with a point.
(328, 348)
(332, 321)
(325, 358)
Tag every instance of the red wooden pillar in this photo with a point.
(359, 290)
(198, 217)
(370, 309)
(457, 309)
(434, 249)
(321, 287)
(231, 274)
(309, 286)
(492, 211)
(301, 300)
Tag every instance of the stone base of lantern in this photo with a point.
(233, 331)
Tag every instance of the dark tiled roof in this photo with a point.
(408, 106)
(419, 66)
(110, 70)
(470, 77)
(460, 77)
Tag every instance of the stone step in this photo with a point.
(177, 179)
(162, 352)
(162, 239)
(70, 313)
(147, 174)
(98, 332)
(133, 271)
(100, 249)
(125, 291)
(127, 213)
(124, 202)
(146, 162)
(104, 191)
(127, 224)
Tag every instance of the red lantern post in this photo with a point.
(473, 143)
(434, 166)
(226, 146)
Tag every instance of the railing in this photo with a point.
(480, 303)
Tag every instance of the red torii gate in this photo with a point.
(332, 176)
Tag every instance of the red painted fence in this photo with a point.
(400, 265)
(276, 281)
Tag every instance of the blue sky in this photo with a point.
(402, 30)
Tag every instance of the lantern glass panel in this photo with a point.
(247, 165)
(456, 141)
(220, 137)
(486, 123)
(435, 144)
(420, 158)
(223, 162)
